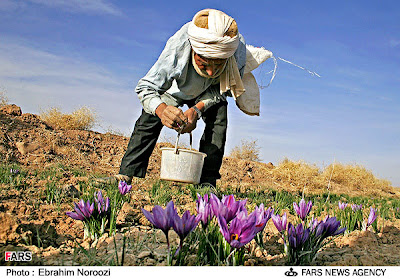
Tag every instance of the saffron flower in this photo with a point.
(372, 216)
(297, 236)
(302, 209)
(83, 210)
(356, 207)
(262, 217)
(102, 204)
(123, 187)
(280, 223)
(228, 207)
(241, 230)
(183, 226)
(329, 227)
(313, 224)
(342, 205)
(161, 219)
(14, 171)
(204, 210)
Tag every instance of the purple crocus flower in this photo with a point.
(161, 219)
(297, 236)
(228, 207)
(280, 223)
(123, 187)
(356, 207)
(372, 216)
(262, 217)
(204, 210)
(302, 209)
(342, 205)
(14, 171)
(241, 230)
(183, 226)
(329, 227)
(313, 224)
(102, 204)
(83, 210)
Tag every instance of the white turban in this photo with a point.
(211, 43)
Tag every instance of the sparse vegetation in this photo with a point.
(3, 99)
(82, 118)
(247, 150)
(349, 179)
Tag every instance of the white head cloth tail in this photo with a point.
(211, 43)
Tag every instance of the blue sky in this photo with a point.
(72, 53)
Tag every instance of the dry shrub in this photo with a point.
(247, 150)
(355, 178)
(3, 99)
(337, 178)
(83, 118)
(297, 174)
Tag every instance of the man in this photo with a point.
(200, 65)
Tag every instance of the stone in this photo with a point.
(259, 253)
(150, 262)
(25, 148)
(70, 190)
(144, 254)
(130, 260)
(126, 214)
(8, 228)
(250, 262)
(349, 259)
(11, 110)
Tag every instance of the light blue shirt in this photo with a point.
(173, 79)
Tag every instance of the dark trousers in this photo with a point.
(147, 130)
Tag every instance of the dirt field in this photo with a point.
(30, 222)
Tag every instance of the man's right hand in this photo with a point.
(171, 116)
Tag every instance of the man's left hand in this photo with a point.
(191, 115)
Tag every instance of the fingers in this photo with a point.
(190, 126)
(173, 118)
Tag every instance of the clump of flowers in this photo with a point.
(342, 205)
(356, 207)
(14, 171)
(161, 219)
(350, 216)
(94, 218)
(302, 209)
(371, 219)
(302, 241)
(165, 219)
(226, 227)
(99, 212)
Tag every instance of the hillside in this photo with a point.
(27, 140)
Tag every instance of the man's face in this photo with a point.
(208, 66)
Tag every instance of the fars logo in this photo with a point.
(18, 256)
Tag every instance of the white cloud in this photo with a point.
(82, 6)
(35, 79)
(394, 43)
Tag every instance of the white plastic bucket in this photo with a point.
(181, 165)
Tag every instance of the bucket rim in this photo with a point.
(184, 150)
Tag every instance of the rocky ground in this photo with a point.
(29, 222)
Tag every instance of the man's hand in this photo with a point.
(171, 116)
(191, 115)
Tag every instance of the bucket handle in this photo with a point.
(177, 140)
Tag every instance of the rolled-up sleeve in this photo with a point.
(167, 68)
(156, 82)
